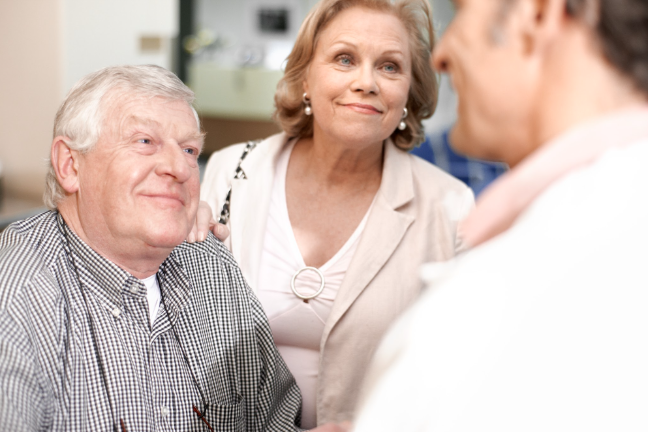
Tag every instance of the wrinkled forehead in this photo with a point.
(123, 110)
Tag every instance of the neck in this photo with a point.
(140, 260)
(332, 162)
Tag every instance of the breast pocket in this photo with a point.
(226, 418)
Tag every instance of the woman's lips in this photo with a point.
(363, 108)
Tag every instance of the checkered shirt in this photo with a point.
(78, 352)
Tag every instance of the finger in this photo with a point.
(220, 231)
(204, 218)
(191, 238)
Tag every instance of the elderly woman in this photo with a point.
(331, 219)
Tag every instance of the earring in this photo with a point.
(307, 109)
(402, 125)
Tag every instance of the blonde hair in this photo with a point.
(82, 114)
(416, 16)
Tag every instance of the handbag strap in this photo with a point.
(238, 174)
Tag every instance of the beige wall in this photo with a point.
(30, 90)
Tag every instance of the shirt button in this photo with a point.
(134, 289)
(116, 312)
(164, 411)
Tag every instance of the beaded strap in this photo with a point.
(238, 174)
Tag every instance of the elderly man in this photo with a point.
(543, 324)
(108, 324)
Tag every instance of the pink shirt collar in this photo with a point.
(501, 204)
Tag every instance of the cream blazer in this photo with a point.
(413, 221)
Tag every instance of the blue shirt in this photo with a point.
(477, 174)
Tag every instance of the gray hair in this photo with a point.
(81, 116)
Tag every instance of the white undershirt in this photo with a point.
(297, 326)
(152, 295)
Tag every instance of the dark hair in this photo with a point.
(621, 27)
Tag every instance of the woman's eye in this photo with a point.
(344, 60)
(390, 68)
(191, 151)
(144, 141)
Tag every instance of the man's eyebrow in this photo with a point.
(131, 119)
(134, 119)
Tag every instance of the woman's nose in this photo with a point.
(365, 80)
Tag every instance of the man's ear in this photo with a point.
(542, 23)
(66, 164)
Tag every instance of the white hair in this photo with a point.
(81, 116)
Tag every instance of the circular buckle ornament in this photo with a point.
(307, 297)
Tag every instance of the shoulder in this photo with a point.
(222, 165)
(216, 278)
(440, 190)
(211, 266)
(27, 249)
(433, 178)
(228, 157)
(210, 249)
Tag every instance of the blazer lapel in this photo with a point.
(250, 201)
(386, 226)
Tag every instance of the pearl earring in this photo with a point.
(402, 125)
(307, 109)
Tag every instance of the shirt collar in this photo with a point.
(501, 204)
(108, 281)
(100, 276)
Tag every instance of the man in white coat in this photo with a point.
(543, 324)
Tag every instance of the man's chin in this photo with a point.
(469, 144)
(460, 142)
(167, 238)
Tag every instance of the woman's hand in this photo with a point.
(204, 223)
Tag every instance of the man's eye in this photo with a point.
(191, 151)
(144, 141)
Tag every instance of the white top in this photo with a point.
(152, 295)
(297, 326)
(542, 328)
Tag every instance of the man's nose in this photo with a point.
(365, 80)
(439, 59)
(174, 163)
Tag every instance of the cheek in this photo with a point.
(130, 176)
(326, 87)
(397, 95)
(193, 186)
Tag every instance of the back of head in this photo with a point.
(81, 116)
(621, 29)
(416, 17)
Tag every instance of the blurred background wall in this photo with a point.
(31, 86)
(230, 52)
